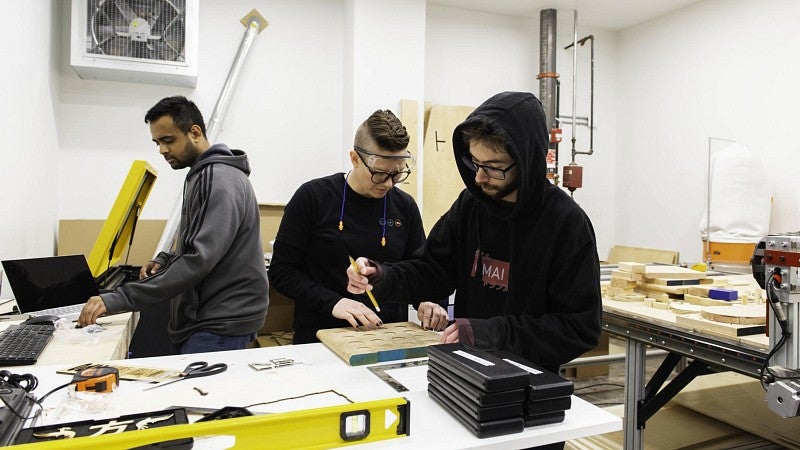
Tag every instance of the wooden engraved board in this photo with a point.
(701, 324)
(390, 342)
(737, 314)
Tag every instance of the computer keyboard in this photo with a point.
(22, 344)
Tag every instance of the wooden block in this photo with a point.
(629, 297)
(619, 253)
(701, 290)
(698, 323)
(704, 301)
(627, 276)
(632, 267)
(674, 272)
(660, 288)
(622, 284)
(684, 308)
(612, 291)
(723, 294)
(736, 314)
(660, 305)
(657, 296)
(390, 342)
(671, 281)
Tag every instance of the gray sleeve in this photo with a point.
(214, 224)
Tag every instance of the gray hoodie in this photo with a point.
(217, 280)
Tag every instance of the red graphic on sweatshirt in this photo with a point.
(493, 272)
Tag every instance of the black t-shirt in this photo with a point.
(309, 260)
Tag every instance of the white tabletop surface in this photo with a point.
(318, 369)
(78, 346)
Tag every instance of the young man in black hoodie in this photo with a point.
(519, 253)
(217, 279)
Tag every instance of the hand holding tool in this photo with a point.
(369, 293)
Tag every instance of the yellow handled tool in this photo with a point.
(369, 293)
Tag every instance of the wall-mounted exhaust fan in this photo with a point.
(145, 41)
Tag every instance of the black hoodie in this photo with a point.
(526, 274)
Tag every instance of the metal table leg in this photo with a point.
(634, 391)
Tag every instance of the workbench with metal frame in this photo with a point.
(642, 326)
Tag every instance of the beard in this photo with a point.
(498, 192)
(185, 158)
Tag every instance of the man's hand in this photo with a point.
(357, 283)
(450, 335)
(432, 316)
(355, 313)
(93, 309)
(149, 268)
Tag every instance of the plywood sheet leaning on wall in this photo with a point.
(77, 236)
(441, 182)
(409, 115)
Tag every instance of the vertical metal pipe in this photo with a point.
(254, 23)
(591, 97)
(574, 76)
(547, 64)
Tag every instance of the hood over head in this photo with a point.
(221, 154)
(520, 119)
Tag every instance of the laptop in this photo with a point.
(57, 285)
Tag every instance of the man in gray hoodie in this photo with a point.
(216, 280)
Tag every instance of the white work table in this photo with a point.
(319, 369)
(70, 346)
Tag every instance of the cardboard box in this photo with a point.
(595, 370)
(270, 215)
(77, 237)
(280, 313)
(739, 400)
(672, 427)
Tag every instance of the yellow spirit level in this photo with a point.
(319, 428)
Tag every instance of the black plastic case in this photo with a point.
(482, 369)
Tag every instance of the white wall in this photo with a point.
(717, 68)
(286, 111)
(470, 56)
(721, 68)
(385, 60)
(28, 160)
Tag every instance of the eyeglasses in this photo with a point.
(379, 176)
(491, 172)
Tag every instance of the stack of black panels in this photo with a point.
(492, 394)
(548, 394)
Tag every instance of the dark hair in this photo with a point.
(385, 129)
(482, 132)
(182, 111)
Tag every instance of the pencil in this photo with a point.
(369, 293)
